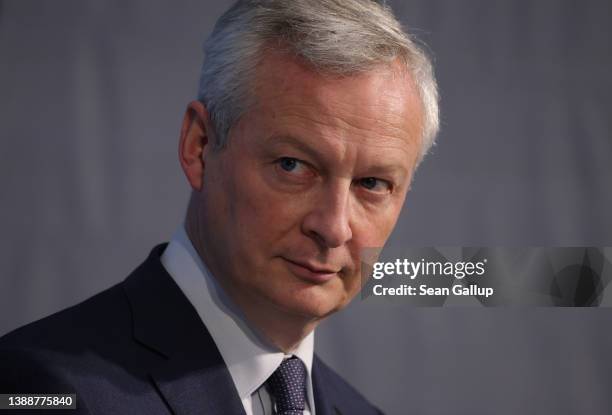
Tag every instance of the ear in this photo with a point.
(196, 140)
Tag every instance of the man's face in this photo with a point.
(315, 171)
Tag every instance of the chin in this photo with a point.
(312, 302)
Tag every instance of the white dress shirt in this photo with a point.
(249, 360)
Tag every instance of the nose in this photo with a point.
(329, 221)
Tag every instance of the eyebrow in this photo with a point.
(295, 142)
(317, 155)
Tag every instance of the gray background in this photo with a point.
(91, 99)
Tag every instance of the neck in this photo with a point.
(280, 328)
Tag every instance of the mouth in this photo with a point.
(311, 272)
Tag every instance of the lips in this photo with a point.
(310, 272)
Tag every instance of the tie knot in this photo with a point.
(288, 386)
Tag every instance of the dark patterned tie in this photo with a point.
(288, 386)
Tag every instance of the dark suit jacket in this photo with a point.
(140, 347)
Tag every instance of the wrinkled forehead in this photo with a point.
(279, 72)
(382, 102)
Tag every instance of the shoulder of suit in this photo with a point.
(79, 342)
(99, 316)
(54, 354)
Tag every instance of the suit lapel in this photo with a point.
(189, 388)
(323, 396)
(191, 376)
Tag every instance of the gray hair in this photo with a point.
(343, 37)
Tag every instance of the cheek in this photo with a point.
(262, 218)
(372, 228)
(371, 231)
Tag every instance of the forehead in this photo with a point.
(380, 106)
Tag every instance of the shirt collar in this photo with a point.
(249, 360)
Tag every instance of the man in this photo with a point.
(311, 119)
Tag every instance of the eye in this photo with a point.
(288, 163)
(375, 185)
(293, 169)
